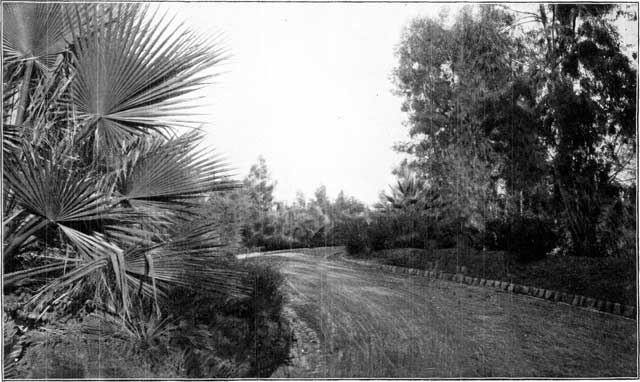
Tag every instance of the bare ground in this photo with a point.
(373, 324)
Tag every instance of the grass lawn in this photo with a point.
(603, 278)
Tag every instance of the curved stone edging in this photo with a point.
(627, 311)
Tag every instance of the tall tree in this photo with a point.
(258, 186)
(588, 105)
(447, 76)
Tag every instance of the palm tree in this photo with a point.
(97, 182)
(407, 192)
(411, 196)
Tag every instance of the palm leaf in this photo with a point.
(195, 260)
(54, 192)
(18, 276)
(11, 139)
(33, 31)
(134, 73)
(62, 197)
(167, 175)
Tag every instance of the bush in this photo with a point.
(270, 336)
(64, 351)
(616, 228)
(273, 242)
(381, 232)
(526, 238)
(250, 335)
(609, 278)
(206, 336)
(405, 241)
(278, 242)
(354, 235)
(496, 234)
(454, 233)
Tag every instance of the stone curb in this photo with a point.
(628, 311)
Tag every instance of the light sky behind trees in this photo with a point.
(308, 86)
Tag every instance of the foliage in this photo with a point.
(275, 225)
(68, 351)
(527, 238)
(607, 278)
(517, 114)
(445, 75)
(250, 333)
(355, 234)
(201, 335)
(588, 115)
(90, 176)
(104, 202)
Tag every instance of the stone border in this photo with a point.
(627, 311)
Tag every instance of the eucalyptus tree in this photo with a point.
(448, 77)
(97, 181)
(532, 111)
(587, 90)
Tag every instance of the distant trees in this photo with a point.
(515, 115)
(258, 199)
(270, 224)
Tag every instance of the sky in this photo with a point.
(308, 86)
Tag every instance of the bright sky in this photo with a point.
(309, 88)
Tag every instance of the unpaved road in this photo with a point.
(375, 324)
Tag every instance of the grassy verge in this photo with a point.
(602, 278)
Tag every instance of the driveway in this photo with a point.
(366, 323)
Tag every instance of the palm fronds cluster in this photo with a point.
(97, 181)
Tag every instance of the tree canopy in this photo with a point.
(512, 114)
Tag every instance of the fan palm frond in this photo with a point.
(408, 191)
(124, 78)
(134, 332)
(134, 74)
(195, 260)
(168, 174)
(11, 139)
(57, 196)
(34, 31)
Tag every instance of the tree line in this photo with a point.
(255, 219)
(521, 128)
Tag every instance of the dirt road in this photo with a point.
(374, 324)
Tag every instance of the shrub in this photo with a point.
(357, 239)
(250, 336)
(405, 241)
(496, 234)
(354, 232)
(200, 335)
(381, 232)
(64, 351)
(526, 238)
(274, 242)
(616, 228)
